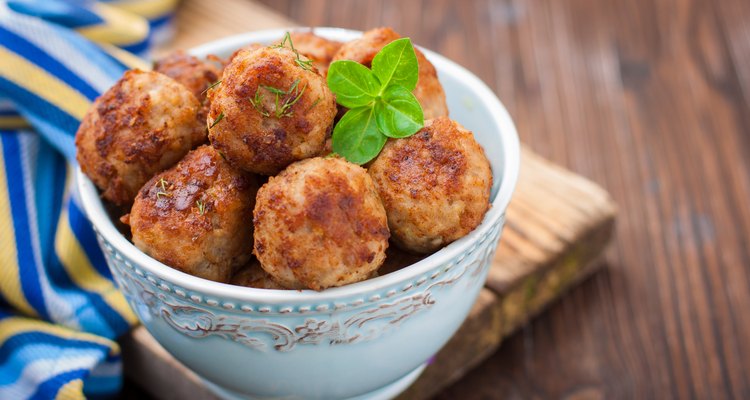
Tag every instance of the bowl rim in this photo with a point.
(509, 141)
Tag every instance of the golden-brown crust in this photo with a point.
(435, 185)
(256, 134)
(196, 75)
(252, 275)
(429, 91)
(318, 49)
(196, 216)
(250, 47)
(145, 123)
(319, 224)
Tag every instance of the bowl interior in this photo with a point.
(470, 102)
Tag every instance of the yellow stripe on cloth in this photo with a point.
(72, 390)
(120, 28)
(12, 326)
(82, 273)
(127, 58)
(38, 81)
(13, 123)
(10, 281)
(146, 8)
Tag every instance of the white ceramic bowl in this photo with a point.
(366, 340)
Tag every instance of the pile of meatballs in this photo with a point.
(221, 176)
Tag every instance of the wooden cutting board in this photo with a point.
(558, 223)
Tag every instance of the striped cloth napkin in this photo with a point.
(59, 310)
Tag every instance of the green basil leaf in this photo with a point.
(396, 64)
(354, 84)
(398, 113)
(356, 136)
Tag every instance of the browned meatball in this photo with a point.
(194, 74)
(249, 47)
(318, 49)
(269, 111)
(195, 217)
(429, 91)
(145, 123)
(435, 185)
(320, 224)
(252, 275)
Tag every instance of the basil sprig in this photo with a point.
(380, 101)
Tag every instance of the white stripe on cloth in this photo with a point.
(60, 309)
(61, 50)
(39, 371)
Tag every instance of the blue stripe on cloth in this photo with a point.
(64, 13)
(49, 185)
(159, 22)
(49, 388)
(9, 113)
(31, 104)
(91, 314)
(34, 346)
(140, 48)
(29, 51)
(28, 339)
(21, 223)
(81, 226)
(79, 55)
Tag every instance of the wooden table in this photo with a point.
(649, 98)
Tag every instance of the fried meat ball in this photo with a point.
(318, 49)
(269, 111)
(194, 74)
(252, 275)
(429, 91)
(435, 185)
(195, 217)
(320, 224)
(145, 123)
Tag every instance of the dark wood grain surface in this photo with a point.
(649, 98)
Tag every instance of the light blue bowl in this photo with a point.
(366, 340)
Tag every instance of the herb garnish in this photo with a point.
(216, 121)
(213, 85)
(201, 206)
(163, 192)
(380, 101)
(283, 102)
(304, 64)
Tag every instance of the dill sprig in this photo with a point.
(257, 102)
(217, 120)
(304, 64)
(164, 189)
(201, 205)
(315, 103)
(213, 85)
(283, 99)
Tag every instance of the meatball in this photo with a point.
(249, 47)
(252, 275)
(429, 91)
(269, 111)
(319, 224)
(318, 49)
(145, 123)
(435, 185)
(194, 74)
(195, 217)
